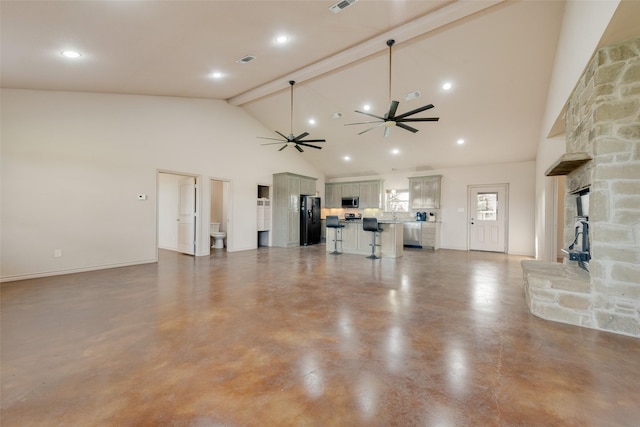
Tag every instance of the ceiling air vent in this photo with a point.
(246, 59)
(341, 5)
(412, 95)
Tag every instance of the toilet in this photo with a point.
(218, 236)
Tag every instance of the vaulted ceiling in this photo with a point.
(497, 55)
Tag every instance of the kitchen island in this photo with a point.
(357, 241)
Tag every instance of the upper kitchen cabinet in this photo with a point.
(287, 188)
(351, 189)
(367, 191)
(307, 186)
(370, 194)
(332, 195)
(424, 192)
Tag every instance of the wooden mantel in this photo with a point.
(567, 163)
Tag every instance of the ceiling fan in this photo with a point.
(296, 141)
(390, 119)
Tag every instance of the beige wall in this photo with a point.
(74, 163)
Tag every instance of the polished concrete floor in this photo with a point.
(298, 337)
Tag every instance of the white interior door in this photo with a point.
(488, 218)
(187, 216)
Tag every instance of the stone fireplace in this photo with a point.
(603, 157)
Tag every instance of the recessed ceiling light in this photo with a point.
(460, 141)
(216, 75)
(282, 39)
(346, 158)
(447, 86)
(70, 54)
(312, 121)
(366, 107)
(395, 151)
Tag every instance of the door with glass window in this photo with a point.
(488, 218)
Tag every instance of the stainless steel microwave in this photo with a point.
(350, 202)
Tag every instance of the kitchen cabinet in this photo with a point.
(351, 189)
(391, 244)
(424, 192)
(285, 205)
(332, 195)
(307, 186)
(431, 235)
(364, 240)
(370, 194)
(350, 236)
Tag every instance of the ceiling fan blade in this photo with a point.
(302, 135)
(282, 135)
(409, 128)
(272, 139)
(419, 119)
(361, 123)
(283, 147)
(309, 145)
(272, 143)
(298, 148)
(387, 131)
(392, 110)
(371, 128)
(314, 140)
(370, 115)
(417, 110)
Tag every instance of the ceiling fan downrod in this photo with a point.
(291, 82)
(390, 43)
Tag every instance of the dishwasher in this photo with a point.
(412, 234)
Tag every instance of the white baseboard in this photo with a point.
(72, 271)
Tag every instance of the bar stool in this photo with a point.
(371, 224)
(334, 222)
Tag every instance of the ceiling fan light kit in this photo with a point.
(390, 119)
(296, 141)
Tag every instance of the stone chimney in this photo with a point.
(603, 155)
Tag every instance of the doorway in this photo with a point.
(219, 214)
(177, 212)
(488, 217)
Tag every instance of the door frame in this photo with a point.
(471, 209)
(198, 207)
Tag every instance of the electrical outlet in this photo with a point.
(57, 253)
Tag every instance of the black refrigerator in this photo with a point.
(310, 232)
